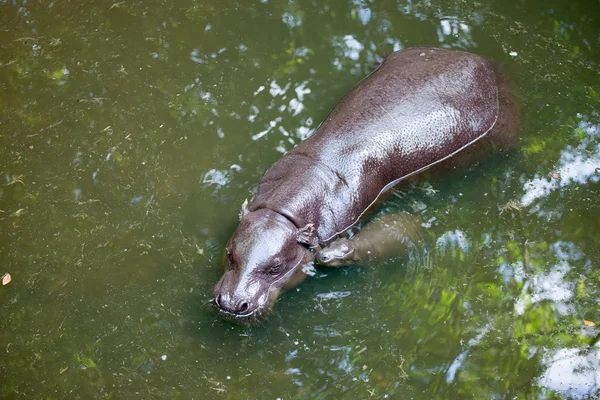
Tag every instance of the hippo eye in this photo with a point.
(274, 270)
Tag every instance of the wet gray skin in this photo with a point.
(388, 236)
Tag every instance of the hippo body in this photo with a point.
(422, 107)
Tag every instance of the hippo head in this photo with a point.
(339, 253)
(263, 258)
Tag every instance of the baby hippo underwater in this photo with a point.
(421, 109)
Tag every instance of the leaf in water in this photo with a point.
(555, 175)
(88, 362)
(589, 323)
(6, 279)
(18, 213)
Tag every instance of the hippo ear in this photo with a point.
(308, 236)
(244, 210)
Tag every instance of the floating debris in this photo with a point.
(333, 295)
(14, 179)
(18, 213)
(6, 279)
(512, 206)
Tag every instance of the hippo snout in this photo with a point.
(238, 300)
(239, 307)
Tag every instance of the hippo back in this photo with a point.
(419, 108)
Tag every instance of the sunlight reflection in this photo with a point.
(575, 168)
(347, 48)
(455, 33)
(294, 106)
(460, 359)
(452, 239)
(362, 12)
(547, 286)
(551, 285)
(572, 371)
(576, 165)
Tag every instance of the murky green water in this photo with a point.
(130, 133)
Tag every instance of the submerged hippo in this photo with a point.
(387, 236)
(421, 108)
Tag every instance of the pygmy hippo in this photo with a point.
(390, 235)
(421, 108)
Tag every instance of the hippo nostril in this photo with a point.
(225, 304)
(243, 307)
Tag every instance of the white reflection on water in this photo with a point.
(353, 47)
(456, 33)
(344, 362)
(397, 44)
(294, 106)
(460, 359)
(362, 12)
(291, 20)
(347, 48)
(547, 286)
(452, 239)
(272, 124)
(568, 370)
(572, 371)
(551, 285)
(197, 57)
(217, 177)
(277, 90)
(574, 168)
(576, 165)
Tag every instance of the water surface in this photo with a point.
(131, 132)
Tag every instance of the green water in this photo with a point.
(131, 132)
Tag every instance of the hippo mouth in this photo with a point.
(254, 317)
